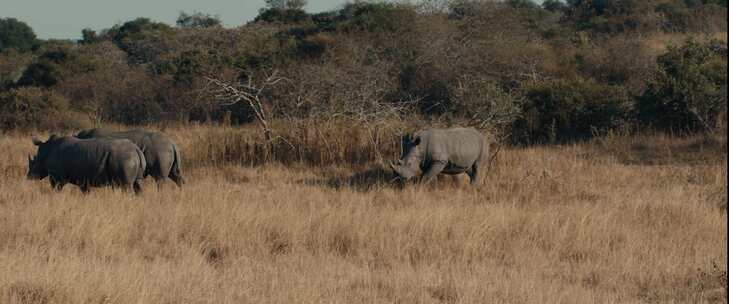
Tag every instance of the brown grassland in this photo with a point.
(614, 220)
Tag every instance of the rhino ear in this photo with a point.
(37, 141)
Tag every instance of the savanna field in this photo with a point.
(616, 219)
(607, 181)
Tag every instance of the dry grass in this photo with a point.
(570, 224)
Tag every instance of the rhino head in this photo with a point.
(408, 166)
(37, 169)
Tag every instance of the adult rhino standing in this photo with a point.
(429, 152)
(88, 163)
(163, 157)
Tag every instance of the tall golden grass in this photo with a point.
(615, 220)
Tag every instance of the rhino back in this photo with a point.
(79, 160)
(459, 146)
(94, 133)
(158, 150)
(125, 162)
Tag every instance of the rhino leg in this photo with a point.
(179, 181)
(159, 180)
(473, 174)
(137, 186)
(56, 185)
(84, 188)
(435, 169)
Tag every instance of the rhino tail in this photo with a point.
(175, 174)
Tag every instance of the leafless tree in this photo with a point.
(250, 91)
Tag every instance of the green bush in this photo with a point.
(142, 39)
(377, 17)
(36, 108)
(16, 34)
(285, 16)
(57, 60)
(565, 110)
(197, 20)
(689, 91)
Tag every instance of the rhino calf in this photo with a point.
(429, 152)
(88, 163)
(162, 155)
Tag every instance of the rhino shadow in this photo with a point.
(362, 181)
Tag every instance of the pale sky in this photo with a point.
(64, 19)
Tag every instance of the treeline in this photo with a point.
(554, 72)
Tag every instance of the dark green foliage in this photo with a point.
(286, 4)
(562, 110)
(197, 20)
(554, 5)
(88, 36)
(130, 29)
(285, 16)
(376, 17)
(690, 89)
(523, 4)
(427, 84)
(43, 74)
(58, 59)
(16, 34)
(134, 38)
(553, 72)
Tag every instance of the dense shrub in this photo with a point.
(12, 66)
(142, 39)
(550, 73)
(36, 108)
(377, 17)
(690, 89)
(136, 101)
(486, 105)
(278, 15)
(57, 60)
(16, 34)
(197, 20)
(562, 110)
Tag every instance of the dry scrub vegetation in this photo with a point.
(615, 220)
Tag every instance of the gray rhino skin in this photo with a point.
(88, 163)
(163, 157)
(429, 152)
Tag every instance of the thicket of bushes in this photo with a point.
(551, 73)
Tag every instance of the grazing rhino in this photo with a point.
(88, 163)
(163, 157)
(451, 151)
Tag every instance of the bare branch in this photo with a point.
(232, 93)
